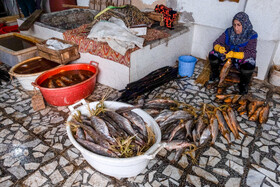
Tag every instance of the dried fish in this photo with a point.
(136, 120)
(242, 113)
(101, 128)
(175, 130)
(221, 122)
(160, 104)
(253, 106)
(113, 131)
(222, 125)
(180, 135)
(124, 124)
(81, 76)
(80, 133)
(229, 124)
(222, 97)
(200, 126)
(178, 144)
(88, 138)
(264, 113)
(227, 137)
(166, 131)
(205, 135)
(180, 114)
(214, 128)
(50, 84)
(194, 136)
(243, 100)
(60, 83)
(125, 109)
(188, 126)
(224, 71)
(163, 101)
(163, 116)
(255, 116)
(114, 124)
(228, 99)
(92, 133)
(65, 79)
(236, 98)
(152, 112)
(97, 148)
(234, 121)
(243, 106)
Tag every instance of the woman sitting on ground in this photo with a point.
(238, 42)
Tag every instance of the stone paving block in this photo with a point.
(35, 149)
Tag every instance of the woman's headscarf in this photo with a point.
(247, 30)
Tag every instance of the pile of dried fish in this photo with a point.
(255, 109)
(207, 121)
(180, 122)
(120, 134)
(148, 83)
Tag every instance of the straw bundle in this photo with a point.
(205, 73)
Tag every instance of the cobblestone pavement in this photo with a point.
(35, 149)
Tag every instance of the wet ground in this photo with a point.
(35, 149)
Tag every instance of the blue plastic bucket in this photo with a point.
(186, 65)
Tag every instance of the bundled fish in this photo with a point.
(198, 128)
(182, 124)
(255, 109)
(108, 133)
(148, 83)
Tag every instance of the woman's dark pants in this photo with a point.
(246, 72)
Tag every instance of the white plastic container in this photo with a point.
(26, 79)
(117, 167)
(274, 78)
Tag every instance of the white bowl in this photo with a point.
(26, 79)
(117, 167)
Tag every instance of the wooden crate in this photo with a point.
(62, 56)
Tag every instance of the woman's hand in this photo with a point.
(237, 55)
(220, 49)
(229, 55)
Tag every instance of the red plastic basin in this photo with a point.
(8, 29)
(70, 94)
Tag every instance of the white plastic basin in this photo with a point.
(117, 167)
(26, 79)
